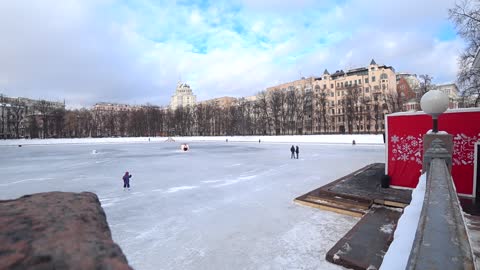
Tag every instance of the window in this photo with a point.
(338, 85)
(359, 81)
(366, 80)
(384, 76)
(373, 78)
(324, 86)
(332, 94)
(331, 85)
(341, 84)
(372, 68)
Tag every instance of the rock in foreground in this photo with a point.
(57, 230)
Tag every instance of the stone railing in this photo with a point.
(441, 240)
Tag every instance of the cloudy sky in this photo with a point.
(135, 51)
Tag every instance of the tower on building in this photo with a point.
(183, 96)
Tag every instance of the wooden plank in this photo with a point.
(331, 208)
(335, 199)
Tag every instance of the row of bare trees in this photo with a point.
(290, 112)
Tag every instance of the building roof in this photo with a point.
(326, 72)
(372, 62)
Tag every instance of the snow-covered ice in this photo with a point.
(218, 206)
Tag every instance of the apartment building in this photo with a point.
(17, 113)
(222, 102)
(352, 101)
(115, 107)
(183, 96)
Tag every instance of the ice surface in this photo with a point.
(217, 206)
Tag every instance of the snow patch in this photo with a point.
(399, 250)
(387, 228)
(176, 189)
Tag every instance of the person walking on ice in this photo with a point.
(126, 180)
(292, 149)
(296, 150)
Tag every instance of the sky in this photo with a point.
(136, 51)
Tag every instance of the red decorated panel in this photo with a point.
(405, 146)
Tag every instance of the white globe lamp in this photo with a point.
(434, 102)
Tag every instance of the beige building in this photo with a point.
(222, 102)
(356, 99)
(183, 97)
(451, 90)
(116, 107)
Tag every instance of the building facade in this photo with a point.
(17, 114)
(451, 90)
(352, 101)
(222, 102)
(183, 97)
(116, 107)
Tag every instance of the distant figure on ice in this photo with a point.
(226, 140)
(258, 140)
(292, 149)
(297, 151)
(126, 180)
(185, 147)
(353, 142)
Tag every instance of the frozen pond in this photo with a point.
(218, 206)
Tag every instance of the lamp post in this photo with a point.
(434, 102)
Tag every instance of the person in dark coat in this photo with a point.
(297, 151)
(292, 149)
(126, 180)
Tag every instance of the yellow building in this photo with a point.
(352, 101)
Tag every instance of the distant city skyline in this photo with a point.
(135, 52)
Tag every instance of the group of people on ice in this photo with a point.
(294, 150)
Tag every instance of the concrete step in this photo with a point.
(364, 246)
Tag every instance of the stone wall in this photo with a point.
(57, 230)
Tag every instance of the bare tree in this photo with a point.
(264, 117)
(466, 17)
(275, 103)
(44, 108)
(292, 107)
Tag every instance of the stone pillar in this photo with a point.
(437, 146)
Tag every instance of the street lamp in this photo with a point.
(434, 102)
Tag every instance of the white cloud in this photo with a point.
(90, 51)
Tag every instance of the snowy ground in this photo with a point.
(219, 206)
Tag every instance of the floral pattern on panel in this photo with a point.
(407, 148)
(463, 149)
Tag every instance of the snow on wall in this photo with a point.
(399, 250)
(328, 139)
